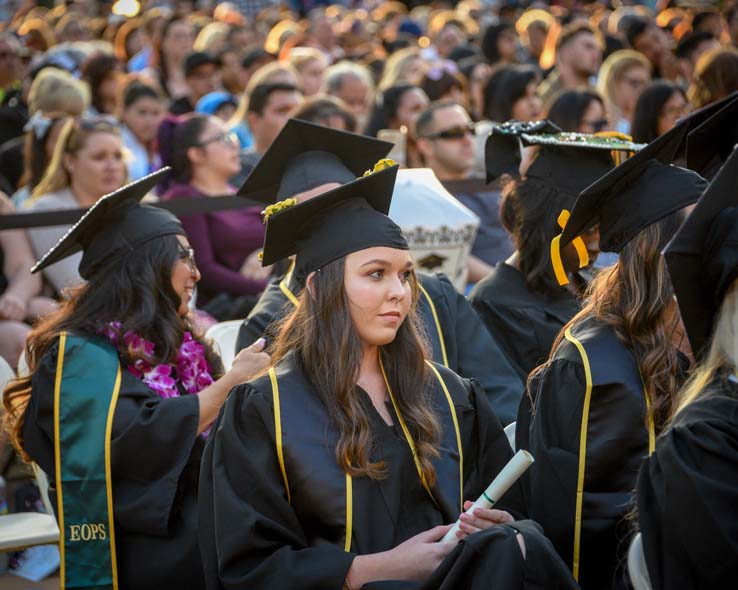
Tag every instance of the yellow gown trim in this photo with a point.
(438, 325)
(278, 431)
(109, 477)
(57, 454)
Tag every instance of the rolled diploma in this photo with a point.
(505, 479)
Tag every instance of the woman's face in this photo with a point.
(378, 287)
(218, 150)
(312, 75)
(629, 86)
(143, 118)
(98, 167)
(507, 45)
(569, 257)
(528, 107)
(673, 110)
(184, 275)
(107, 93)
(178, 40)
(413, 71)
(594, 118)
(412, 103)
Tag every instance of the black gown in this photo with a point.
(525, 324)
(264, 527)
(590, 394)
(470, 351)
(688, 495)
(155, 454)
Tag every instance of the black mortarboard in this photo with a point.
(305, 155)
(568, 161)
(114, 226)
(333, 224)
(710, 144)
(702, 257)
(641, 190)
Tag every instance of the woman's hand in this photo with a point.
(252, 268)
(251, 361)
(415, 559)
(480, 519)
(12, 307)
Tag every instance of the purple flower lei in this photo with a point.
(192, 368)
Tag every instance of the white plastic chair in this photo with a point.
(224, 334)
(637, 569)
(27, 529)
(510, 433)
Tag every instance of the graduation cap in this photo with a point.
(305, 155)
(568, 161)
(702, 258)
(639, 192)
(114, 226)
(710, 144)
(333, 224)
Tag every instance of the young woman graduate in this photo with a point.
(119, 393)
(343, 463)
(688, 488)
(609, 384)
(522, 302)
(307, 159)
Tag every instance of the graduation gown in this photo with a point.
(688, 493)
(589, 435)
(524, 324)
(278, 512)
(155, 462)
(458, 338)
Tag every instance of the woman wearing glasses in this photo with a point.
(203, 155)
(581, 110)
(87, 164)
(121, 357)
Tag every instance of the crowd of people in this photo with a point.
(597, 312)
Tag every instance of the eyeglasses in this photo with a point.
(597, 125)
(458, 132)
(187, 255)
(227, 138)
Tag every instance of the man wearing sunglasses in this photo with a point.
(445, 138)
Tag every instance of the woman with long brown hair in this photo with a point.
(341, 465)
(120, 389)
(608, 385)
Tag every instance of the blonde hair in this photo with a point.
(72, 138)
(722, 354)
(212, 37)
(300, 57)
(715, 76)
(55, 90)
(613, 69)
(395, 70)
(280, 32)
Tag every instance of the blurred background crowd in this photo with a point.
(94, 94)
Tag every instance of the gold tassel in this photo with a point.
(278, 206)
(579, 246)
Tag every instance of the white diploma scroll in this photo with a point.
(504, 480)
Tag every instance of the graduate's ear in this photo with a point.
(310, 284)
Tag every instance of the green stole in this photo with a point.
(88, 379)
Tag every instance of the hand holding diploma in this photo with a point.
(480, 515)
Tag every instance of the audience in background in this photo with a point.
(579, 110)
(658, 109)
(624, 75)
(141, 111)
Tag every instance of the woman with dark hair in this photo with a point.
(121, 358)
(444, 82)
(658, 109)
(524, 302)
(610, 381)
(328, 111)
(510, 94)
(396, 107)
(340, 465)
(204, 155)
(103, 73)
(581, 110)
(141, 110)
(499, 43)
(172, 46)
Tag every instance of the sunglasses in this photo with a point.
(187, 255)
(458, 132)
(227, 138)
